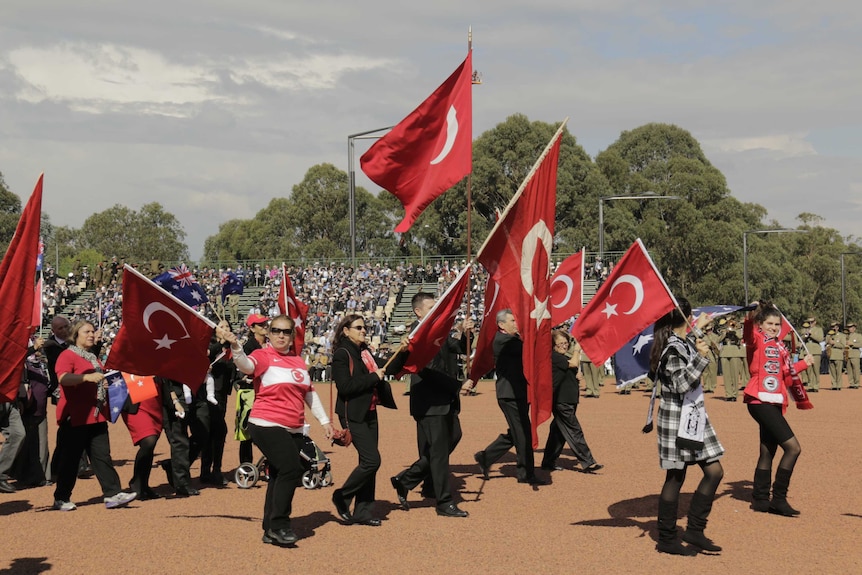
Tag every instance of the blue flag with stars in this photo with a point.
(631, 362)
(230, 284)
(117, 393)
(180, 283)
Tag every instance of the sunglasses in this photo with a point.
(278, 330)
(359, 327)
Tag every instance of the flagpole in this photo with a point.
(469, 220)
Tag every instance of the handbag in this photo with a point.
(342, 437)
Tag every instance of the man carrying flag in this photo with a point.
(430, 150)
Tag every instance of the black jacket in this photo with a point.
(435, 390)
(566, 388)
(356, 384)
(509, 362)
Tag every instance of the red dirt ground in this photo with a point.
(603, 523)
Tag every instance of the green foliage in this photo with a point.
(152, 233)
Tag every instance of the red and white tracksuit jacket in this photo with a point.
(773, 376)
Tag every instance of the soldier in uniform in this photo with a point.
(854, 343)
(812, 336)
(710, 374)
(592, 376)
(835, 343)
(732, 356)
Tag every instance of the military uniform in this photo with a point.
(812, 335)
(593, 375)
(710, 374)
(854, 343)
(836, 342)
(733, 362)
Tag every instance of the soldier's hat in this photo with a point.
(722, 321)
(806, 324)
(834, 324)
(851, 324)
(810, 319)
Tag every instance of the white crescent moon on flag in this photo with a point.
(451, 134)
(494, 299)
(570, 286)
(156, 306)
(639, 290)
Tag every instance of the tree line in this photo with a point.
(696, 240)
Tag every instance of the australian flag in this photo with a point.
(230, 284)
(181, 284)
(719, 310)
(117, 393)
(631, 363)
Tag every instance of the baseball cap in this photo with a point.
(255, 318)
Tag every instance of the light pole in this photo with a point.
(602, 200)
(745, 250)
(844, 286)
(351, 185)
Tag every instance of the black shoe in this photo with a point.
(373, 522)
(479, 456)
(6, 487)
(341, 507)
(675, 548)
(147, 494)
(534, 481)
(782, 507)
(186, 491)
(698, 539)
(280, 537)
(592, 468)
(551, 467)
(216, 479)
(401, 491)
(451, 510)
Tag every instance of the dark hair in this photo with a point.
(283, 317)
(339, 329)
(764, 310)
(663, 328)
(419, 298)
(557, 333)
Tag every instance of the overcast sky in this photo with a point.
(214, 107)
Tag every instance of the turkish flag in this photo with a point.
(428, 335)
(430, 150)
(483, 359)
(290, 306)
(634, 296)
(17, 277)
(160, 335)
(517, 254)
(140, 387)
(567, 289)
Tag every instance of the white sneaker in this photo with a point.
(120, 499)
(61, 505)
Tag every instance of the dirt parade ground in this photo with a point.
(581, 523)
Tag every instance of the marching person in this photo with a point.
(685, 434)
(145, 427)
(223, 372)
(836, 341)
(854, 344)
(773, 377)
(813, 337)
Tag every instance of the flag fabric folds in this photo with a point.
(140, 387)
(17, 294)
(290, 306)
(483, 358)
(567, 289)
(430, 333)
(230, 284)
(631, 363)
(181, 283)
(517, 254)
(430, 150)
(118, 392)
(633, 297)
(160, 335)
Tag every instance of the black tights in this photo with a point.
(144, 463)
(791, 449)
(712, 475)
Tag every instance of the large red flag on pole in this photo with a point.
(427, 337)
(634, 296)
(17, 277)
(160, 334)
(517, 254)
(430, 150)
(567, 289)
(483, 358)
(290, 306)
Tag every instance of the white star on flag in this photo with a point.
(165, 342)
(610, 309)
(640, 343)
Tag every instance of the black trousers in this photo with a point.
(186, 437)
(74, 441)
(565, 428)
(281, 449)
(519, 435)
(439, 435)
(360, 484)
(213, 450)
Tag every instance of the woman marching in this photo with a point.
(685, 435)
(773, 377)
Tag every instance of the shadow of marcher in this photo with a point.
(12, 507)
(306, 525)
(27, 566)
(639, 512)
(739, 490)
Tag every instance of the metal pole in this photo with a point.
(745, 264)
(351, 199)
(601, 227)
(843, 294)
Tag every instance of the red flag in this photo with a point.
(428, 335)
(517, 254)
(140, 387)
(567, 289)
(483, 359)
(430, 150)
(160, 335)
(634, 296)
(17, 274)
(290, 306)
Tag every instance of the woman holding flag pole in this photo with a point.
(685, 435)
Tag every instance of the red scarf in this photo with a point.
(371, 366)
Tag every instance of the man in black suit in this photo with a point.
(434, 404)
(52, 348)
(513, 402)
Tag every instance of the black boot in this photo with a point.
(701, 505)
(667, 539)
(760, 493)
(779, 504)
